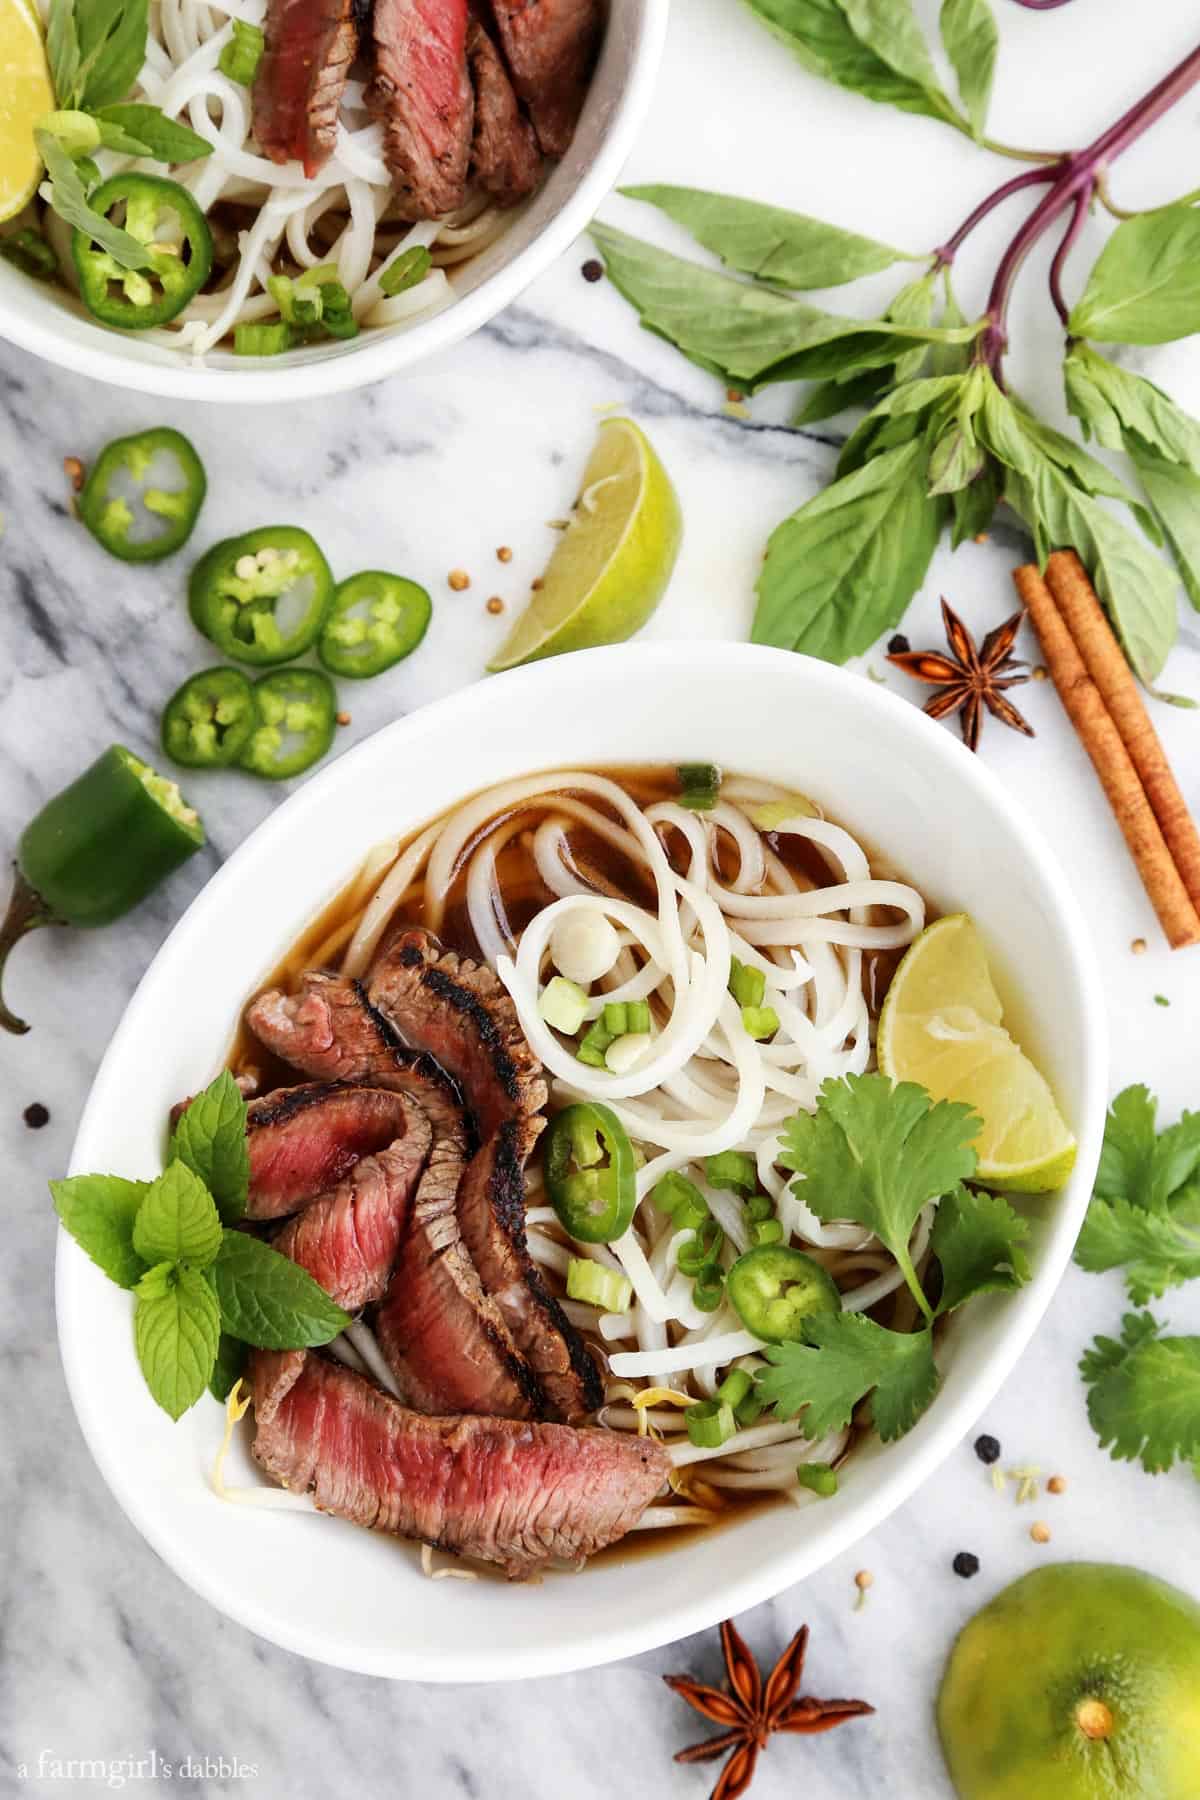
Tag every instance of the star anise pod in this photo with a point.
(751, 1711)
(970, 679)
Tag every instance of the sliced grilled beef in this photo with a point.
(304, 1140)
(515, 1494)
(298, 88)
(422, 93)
(550, 46)
(504, 151)
(457, 1011)
(491, 1217)
(348, 1239)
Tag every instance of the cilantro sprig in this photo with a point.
(1145, 1210)
(202, 1291)
(878, 1154)
(1144, 1394)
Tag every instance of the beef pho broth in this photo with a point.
(562, 941)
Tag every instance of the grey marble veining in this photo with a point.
(105, 1655)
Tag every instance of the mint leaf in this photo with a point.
(178, 1221)
(978, 1240)
(768, 242)
(877, 1154)
(62, 53)
(268, 1300)
(112, 45)
(846, 1357)
(1161, 1249)
(99, 1212)
(65, 194)
(176, 1325)
(165, 139)
(820, 34)
(228, 1367)
(1144, 1394)
(1127, 1154)
(211, 1139)
(972, 41)
(844, 567)
(1173, 490)
(1145, 285)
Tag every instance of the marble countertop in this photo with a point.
(106, 1654)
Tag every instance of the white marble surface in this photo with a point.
(106, 1655)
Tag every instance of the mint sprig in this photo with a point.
(202, 1291)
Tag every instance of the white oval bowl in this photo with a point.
(48, 322)
(349, 1597)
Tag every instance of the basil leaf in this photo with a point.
(1173, 490)
(178, 1221)
(829, 398)
(176, 1327)
(820, 34)
(902, 415)
(228, 1367)
(268, 1300)
(1112, 402)
(890, 29)
(1093, 476)
(852, 355)
(974, 506)
(211, 1139)
(62, 53)
(913, 305)
(956, 460)
(971, 39)
(115, 137)
(64, 193)
(766, 241)
(99, 1212)
(843, 568)
(1145, 286)
(112, 43)
(166, 140)
(950, 358)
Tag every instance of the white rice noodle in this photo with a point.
(383, 903)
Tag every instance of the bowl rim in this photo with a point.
(940, 1430)
(374, 357)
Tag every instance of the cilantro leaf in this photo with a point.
(268, 1300)
(1144, 1394)
(178, 1221)
(847, 1356)
(211, 1139)
(1160, 1249)
(99, 1212)
(1128, 1151)
(176, 1328)
(877, 1154)
(977, 1238)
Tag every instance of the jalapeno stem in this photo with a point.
(26, 911)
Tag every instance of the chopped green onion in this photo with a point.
(295, 307)
(594, 1043)
(732, 1169)
(28, 251)
(682, 1199)
(637, 1015)
(766, 1231)
(605, 1288)
(700, 784)
(241, 56)
(749, 1411)
(615, 1019)
(759, 1206)
(702, 1249)
(563, 1004)
(747, 985)
(709, 1289)
(760, 1021)
(262, 340)
(818, 1477)
(736, 1385)
(409, 268)
(709, 1423)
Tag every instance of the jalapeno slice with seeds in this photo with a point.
(376, 620)
(144, 494)
(261, 598)
(593, 1197)
(163, 216)
(207, 722)
(775, 1289)
(295, 716)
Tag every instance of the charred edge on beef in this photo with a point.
(464, 1001)
(421, 1063)
(295, 1100)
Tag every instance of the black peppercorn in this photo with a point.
(966, 1564)
(987, 1449)
(36, 1116)
(898, 645)
(592, 270)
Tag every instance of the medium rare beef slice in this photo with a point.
(550, 47)
(310, 45)
(504, 152)
(422, 93)
(302, 1141)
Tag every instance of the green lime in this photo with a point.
(613, 562)
(941, 1026)
(1081, 1681)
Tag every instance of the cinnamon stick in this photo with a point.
(1105, 662)
(1112, 762)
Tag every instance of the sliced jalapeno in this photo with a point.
(207, 722)
(295, 716)
(593, 1197)
(163, 216)
(143, 495)
(774, 1289)
(376, 619)
(261, 598)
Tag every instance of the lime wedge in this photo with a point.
(26, 95)
(941, 1026)
(613, 561)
